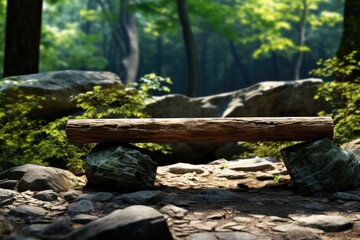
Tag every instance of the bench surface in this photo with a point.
(166, 130)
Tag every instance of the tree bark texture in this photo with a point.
(191, 54)
(199, 129)
(130, 61)
(22, 37)
(350, 40)
(302, 39)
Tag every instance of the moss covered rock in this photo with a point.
(114, 167)
(321, 167)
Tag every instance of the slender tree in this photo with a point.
(130, 60)
(22, 37)
(191, 54)
(350, 40)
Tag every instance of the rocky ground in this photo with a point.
(244, 199)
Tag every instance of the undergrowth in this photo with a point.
(25, 139)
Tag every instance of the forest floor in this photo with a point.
(263, 207)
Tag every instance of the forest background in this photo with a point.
(233, 43)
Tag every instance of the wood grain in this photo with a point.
(199, 129)
(166, 130)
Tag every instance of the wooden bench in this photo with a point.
(166, 130)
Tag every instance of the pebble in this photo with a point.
(84, 218)
(182, 168)
(325, 222)
(27, 211)
(140, 197)
(254, 164)
(174, 211)
(346, 196)
(82, 206)
(97, 197)
(46, 195)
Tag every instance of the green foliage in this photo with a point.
(28, 140)
(69, 48)
(224, 165)
(277, 178)
(265, 149)
(342, 93)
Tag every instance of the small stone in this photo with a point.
(231, 174)
(278, 219)
(218, 215)
(237, 228)
(71, 194)
(141, 197)
(315, 206)
(9, 184)
(301, 233)
(228, 225)
(262, 176)
(174, 211)
(5, 226)
(84, 218)
(346, 196)
(47, 195)
(7, 196)
(253, 164)
(325, 222)
(242, 219)
(82, 206)
(223, 236)
(27, 211)
(182, 168)
(37, 228)
(60, 227)
(97, 197)
(201, 226)
(291, 227)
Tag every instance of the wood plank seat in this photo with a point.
(165, 130)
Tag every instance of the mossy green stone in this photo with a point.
(321, 167)
(113, 167)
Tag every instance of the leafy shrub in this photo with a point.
(342, 93)
(27, 140)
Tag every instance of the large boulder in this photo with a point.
(136, 222)
(38, 178)
(114, 167)
(57, 87)
(264, 99)
(320, 168)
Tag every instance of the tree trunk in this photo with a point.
(199, 129)
(22, 38)
(238, 62)
(130, 60)
(350, 40)
(191, 55)
(203, 63)
(86, 25)
(159, 55)
(302, 28)
(276, 73)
